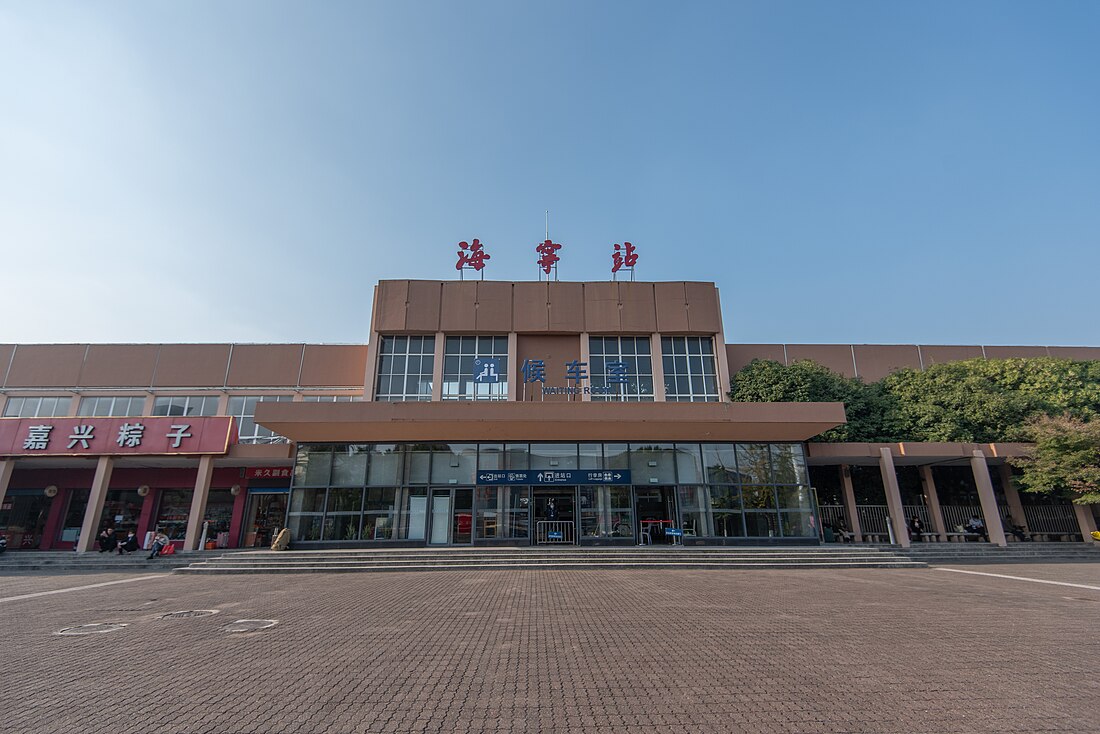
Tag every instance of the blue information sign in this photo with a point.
(543, 477)
(674, 532)
(486, 370)
(554, 535)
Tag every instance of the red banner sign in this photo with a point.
(84, 436)
(267, 472)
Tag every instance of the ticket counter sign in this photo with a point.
(546, 477)
(132, 435)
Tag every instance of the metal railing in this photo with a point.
(1051, 519)
(554, 531)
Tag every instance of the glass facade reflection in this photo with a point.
(427, 493)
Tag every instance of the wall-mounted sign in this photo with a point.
(267, 472)
(543, 477)
(486, 370)
(85, 436)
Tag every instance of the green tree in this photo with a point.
(1065, 460)
(869, 408)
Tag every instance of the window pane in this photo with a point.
(349, 464)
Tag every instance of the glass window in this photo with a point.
(329, 398)
(758, 498)
(112, 406)
(725, 503)
(795, 498)
(557, 456)
(689, 469)
(502, 512)
(386, 460)
(464, 356)
(690, 372)
(754, 463)
(694, 518)
(349, 464)
(652, 463)
(37, 407)
(454, 463)
(173, 511)
(606, 512)
(380, 513)
(621, 365)
(191, 405)
(243, 408)
(788, 464)
(219, 513)
(721, 466)
(591, 456)
(74, 515)
(313, 465)
(405, 367)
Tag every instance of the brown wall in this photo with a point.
(183, 365)
(557, 307)
(555, 351)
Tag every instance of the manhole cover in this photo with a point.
(189, 613)
(250, 625)
(92, 629)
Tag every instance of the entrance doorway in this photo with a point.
(451, 517)
(656, 512)
(555, 515)
(264, 518)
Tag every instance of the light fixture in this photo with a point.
(235, 490)
(143, 490)
(50, 491)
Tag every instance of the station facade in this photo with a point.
(478, 413)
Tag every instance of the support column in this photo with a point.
(198, 503)
(1012, 496)
(893, 497)
(933, 497)
(850, 503)
(102, 479)
(988, 499)
(586, 355)
(514, 376)
(437, 367)
(656, 360)
(1086, 522)
(7, 467)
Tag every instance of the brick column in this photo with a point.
(1012, 496)
(7, 466)
(988, 499)
(893, 497)
(1086, 522)
(850, 503)
(90, 528)
(933, 497)
(198, 503)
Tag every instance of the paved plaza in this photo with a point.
(924, 650)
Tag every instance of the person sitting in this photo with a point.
(107, 540)
(129, 545)
(160, 540)
(975, 526)
(916, 527)
(842, 531)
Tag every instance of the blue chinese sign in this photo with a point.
(674, 532)
(542, 477)
(486, 370)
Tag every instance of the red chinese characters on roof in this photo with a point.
(471, 255)
(547, 255)
(623, 257)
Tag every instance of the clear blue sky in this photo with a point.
(876, 172)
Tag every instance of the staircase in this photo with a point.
(962, 553)
(92, 562)
(560, 558)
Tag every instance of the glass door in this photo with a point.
(441, 517)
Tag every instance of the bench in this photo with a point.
(963, 536)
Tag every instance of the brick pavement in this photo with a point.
(562, 651)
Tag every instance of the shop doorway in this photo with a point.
(451, 516)
(555, 515)
(655, 508)
(23, 518)
(263, 518)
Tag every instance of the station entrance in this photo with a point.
(555, 515)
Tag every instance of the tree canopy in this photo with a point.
(1066, 458)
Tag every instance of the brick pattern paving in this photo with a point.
(560, 651)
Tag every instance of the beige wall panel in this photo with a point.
(601, 308)
(837, 357)
(554, 351)
(6, 350)
(265, 365)
(566, 307)
(739, 355)
(334, 365)
(424, 302)
(191, 365)
(494, 307)
(704, 313)
(1079, 353)
(1015, 352)
(639, 312)
(529, 312)
(875, 361)
(936, 353)
(390, 298)
(672, 317)
(46, 365)
(459, 307)
(119, 365)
